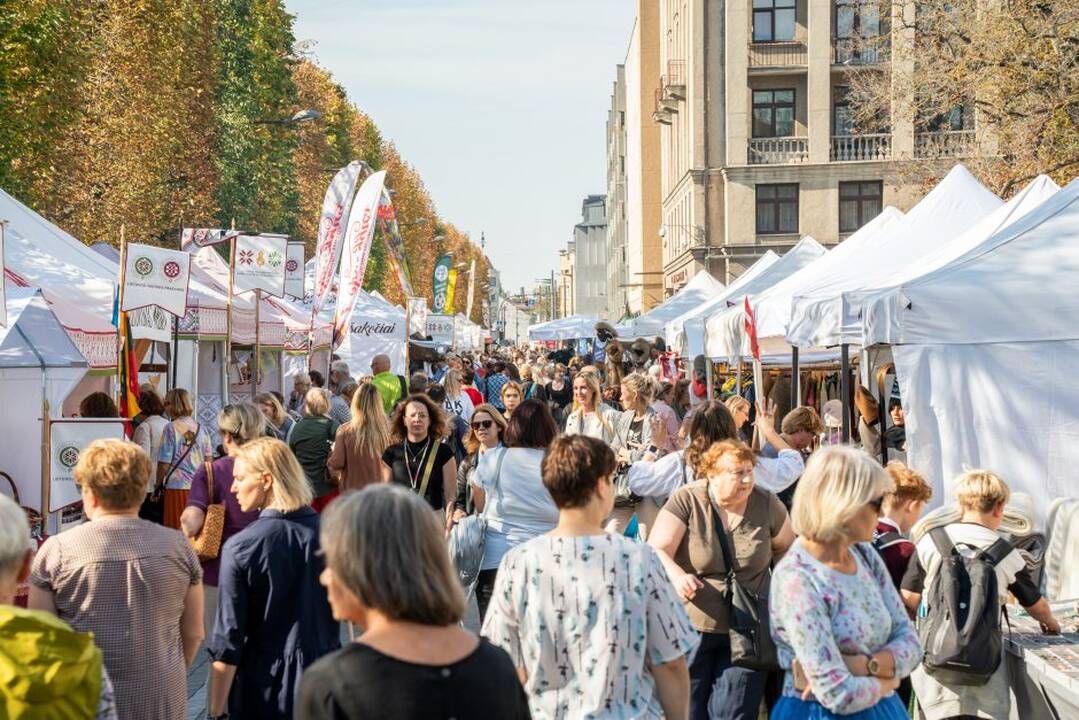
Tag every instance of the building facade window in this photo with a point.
(773, 20)
(842, 123)
(777, 209)
(958, 118)
(859, 202)
(855, 19)
(773, 113)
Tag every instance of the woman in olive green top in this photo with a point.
(311, 440)
(758, 531)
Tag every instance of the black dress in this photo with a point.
(407, 468)
(359, 682)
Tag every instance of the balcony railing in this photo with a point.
(944, 144)
(778, 151)
(859, 51)
(663, 108)
(848, 148)
(777, 55)
(674, 82)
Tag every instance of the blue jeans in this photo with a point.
(738, 690)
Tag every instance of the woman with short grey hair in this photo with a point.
(387, 571)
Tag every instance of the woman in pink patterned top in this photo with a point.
(843, 634)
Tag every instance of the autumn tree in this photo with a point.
(253, 93)
(1010, 68)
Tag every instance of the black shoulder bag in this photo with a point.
(747, 612)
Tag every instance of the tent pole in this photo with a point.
(228, 312)
(708, 377)
(796, 390)
(120, 320)
(844, 388)
(738, 387)
(256, 362)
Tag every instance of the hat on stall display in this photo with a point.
(833, 414)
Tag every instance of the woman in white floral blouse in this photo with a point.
(590, 619)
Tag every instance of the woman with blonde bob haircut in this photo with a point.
(387, 571)
(273, 618)
(135, 585)
(832, 590)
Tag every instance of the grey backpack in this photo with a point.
(961, 632)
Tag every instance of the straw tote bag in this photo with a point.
(207, 543)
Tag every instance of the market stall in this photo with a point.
(573, 327)
(701, 288)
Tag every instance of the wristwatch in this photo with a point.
(872, 666)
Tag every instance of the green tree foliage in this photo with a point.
(253, 87)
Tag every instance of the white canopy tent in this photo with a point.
(700, 288)
(819, 317)
(989, 357)
(880, 307)
(674, 329)
(38, 362)
(725, 337)
(567, 328)
(376, 327)
(805, 252)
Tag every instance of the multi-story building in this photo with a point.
(616, 200)
(759, 148)
(643, 203)
(588, 269)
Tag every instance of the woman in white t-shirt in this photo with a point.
(511, 480)
(457, 400)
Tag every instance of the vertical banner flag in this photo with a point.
(471, 288)
(260, 264)
(751, 330)
(331, 229)
(391, 235)
(193, 239)
(357, 249)
(440, 277)
(417, 315)
(451, 290)
(67, 439)
(294, 267)
(156, 276)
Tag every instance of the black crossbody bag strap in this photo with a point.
(176, 463)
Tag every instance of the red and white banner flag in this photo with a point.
(751, 330)
(331, 228)
(294, 270)
(155, 276)
(3, 277)
(358, 236)
(260, 264)
(192, 239)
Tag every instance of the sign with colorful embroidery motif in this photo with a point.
(156, 276)
(294, 267)
(260, 264)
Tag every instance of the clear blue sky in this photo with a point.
(500, 105)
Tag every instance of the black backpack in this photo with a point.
(961, 632)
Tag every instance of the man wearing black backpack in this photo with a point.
(959, 578)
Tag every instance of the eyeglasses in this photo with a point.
(483, 424)
(876, 504)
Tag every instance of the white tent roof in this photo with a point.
(701, 288)
(567, 328)
(33, 332)
(818, 317)
(1017, 286)
(673, 330)
(806, 251)
(881, 307)
(724, 336)
(376, 327)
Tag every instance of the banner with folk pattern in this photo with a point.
(331, 229)
(259, 264)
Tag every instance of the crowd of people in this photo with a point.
(640, 559)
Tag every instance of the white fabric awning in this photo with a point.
(567, 328)
(701, 288)
(818, 315)
(724, 334)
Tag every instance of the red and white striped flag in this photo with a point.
(751, 330)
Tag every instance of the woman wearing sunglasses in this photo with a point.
(485, 433)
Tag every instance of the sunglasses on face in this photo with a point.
(483, 424)
(876, 504)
